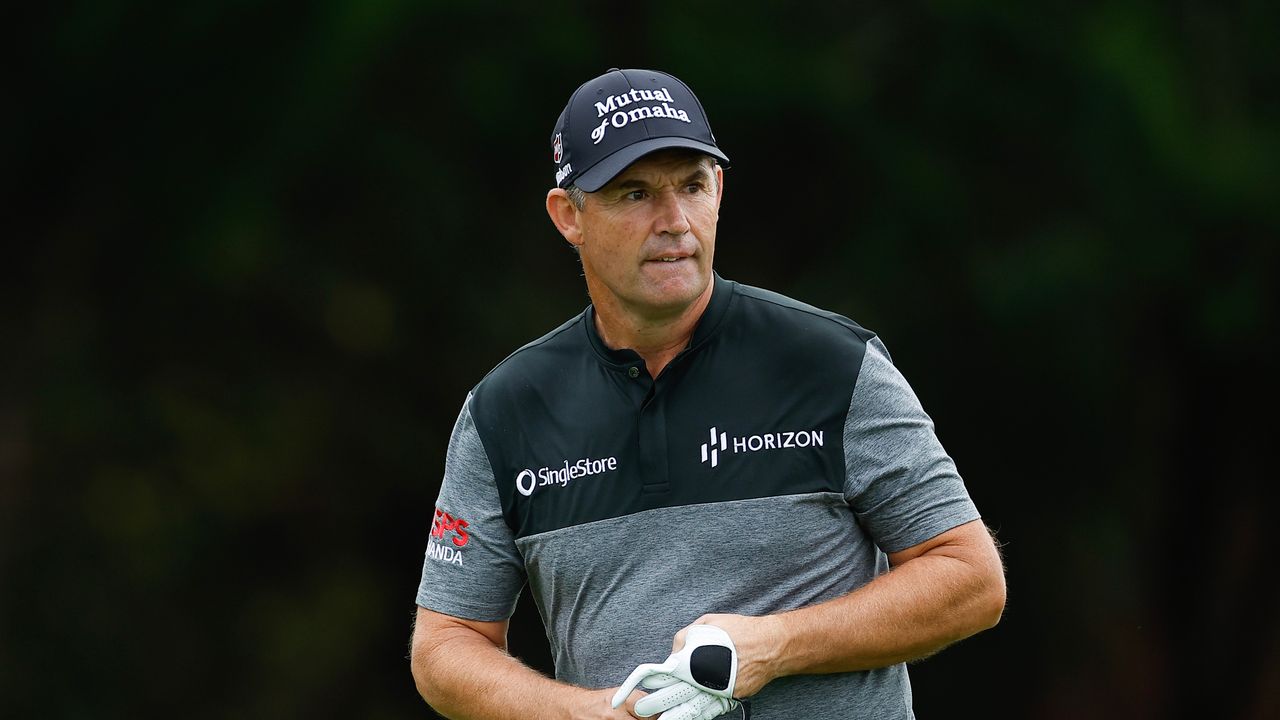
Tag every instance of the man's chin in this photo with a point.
(675, 296)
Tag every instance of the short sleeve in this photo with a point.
(902, 486)
(472, 568)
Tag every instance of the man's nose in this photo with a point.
(671, 214)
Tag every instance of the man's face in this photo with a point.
(647, 238)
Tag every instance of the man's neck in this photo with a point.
(656, 340)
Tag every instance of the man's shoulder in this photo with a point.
(779, 313)
(548, 356)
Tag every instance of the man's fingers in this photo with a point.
(706, 664)
(678, 641)
(666, 698)
(659, 680)
(691, 710)
(716, 709)
(627, 706)
(635, 678)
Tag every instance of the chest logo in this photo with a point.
(723, 443)
(529, 480)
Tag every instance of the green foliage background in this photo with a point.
(258, 253)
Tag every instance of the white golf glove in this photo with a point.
(694, 683)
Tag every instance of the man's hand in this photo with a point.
(679, 700)
(696, 682)
(756, 640)
(597, 706)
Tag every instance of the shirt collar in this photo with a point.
(722, 293)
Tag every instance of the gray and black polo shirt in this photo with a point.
(770, 466)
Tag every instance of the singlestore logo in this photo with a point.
(529, 480)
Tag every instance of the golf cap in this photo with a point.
(621, 116)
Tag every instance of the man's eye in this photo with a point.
(636, 195)
(693, 188)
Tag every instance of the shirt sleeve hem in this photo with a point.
(466, 611)
(932, 530)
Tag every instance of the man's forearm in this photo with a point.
(942, 595)
(469, 681)
(464, 676)
(909, 613)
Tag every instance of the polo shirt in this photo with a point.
(770, 466)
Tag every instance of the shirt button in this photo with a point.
(633, 371)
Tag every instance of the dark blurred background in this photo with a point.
(259, 252)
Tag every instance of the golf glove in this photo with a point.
(694, 683)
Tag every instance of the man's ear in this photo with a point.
(719, 188)
(564, 215)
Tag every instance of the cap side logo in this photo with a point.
(557, 149)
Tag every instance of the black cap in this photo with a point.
(621, 116)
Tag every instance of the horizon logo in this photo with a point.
(715, 447)
(722, 443)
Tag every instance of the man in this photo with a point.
(689, 451)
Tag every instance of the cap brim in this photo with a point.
(599, 175)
